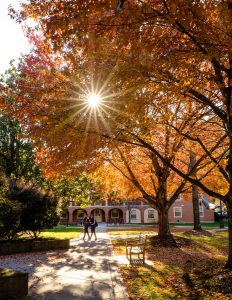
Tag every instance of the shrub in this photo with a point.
(9, 218)
(40, 209)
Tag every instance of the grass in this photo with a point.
(204, 225)
(153, 228)
(193, 269)
(131, 231)
(59, 232)
(216, 243)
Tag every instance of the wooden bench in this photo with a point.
(136, 248)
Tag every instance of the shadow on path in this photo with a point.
(86, 271)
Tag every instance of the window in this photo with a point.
(151, 214)
(177, 212)
(114, 213)
(133, 214)
(179, 198)
(201, 211)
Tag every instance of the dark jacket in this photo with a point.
(93, 222)
(86, 222)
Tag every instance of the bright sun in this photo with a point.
(94, 100)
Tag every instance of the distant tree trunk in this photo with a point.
(195, 197)
(228, 202)
(164, 229)
(228, 264)
(196, 213)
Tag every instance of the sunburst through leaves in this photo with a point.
(93, 105)
(94, 100)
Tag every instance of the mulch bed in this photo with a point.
(170, 242)
(199, 233)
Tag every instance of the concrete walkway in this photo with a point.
(87, 271)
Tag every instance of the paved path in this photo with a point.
(87, 271)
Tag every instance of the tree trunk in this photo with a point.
(228, 264)
(164, 229)
(196, 213)
(195, 198)
(228, 203)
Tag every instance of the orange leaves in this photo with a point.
(156, 51)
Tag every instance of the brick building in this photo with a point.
(137, 211)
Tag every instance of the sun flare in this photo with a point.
(93, 104)
(93, 100)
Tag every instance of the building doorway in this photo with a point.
(99, 215)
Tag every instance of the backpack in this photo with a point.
(86, 222)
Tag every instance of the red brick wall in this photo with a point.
(187, 212)
(185, 205)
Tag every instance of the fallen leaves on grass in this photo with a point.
(189, 266)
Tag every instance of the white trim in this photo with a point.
(180, 210)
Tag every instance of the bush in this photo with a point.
(9, 218)
(40, 210)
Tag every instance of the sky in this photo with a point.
(12, 40)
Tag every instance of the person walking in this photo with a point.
(93, 225)
(86, 224)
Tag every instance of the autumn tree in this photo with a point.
(153, 121)
(193, 59)
(181, 49)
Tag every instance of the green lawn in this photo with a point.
(204, 225)
(60, 232)
(191, 270)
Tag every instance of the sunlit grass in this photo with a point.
(60, 232)
(215, 243)
(130, 232)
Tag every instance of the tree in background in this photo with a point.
(76, 190)
(17, 155)
(40, 209)
(16, 152)
(10, 212)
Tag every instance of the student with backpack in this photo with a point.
(93, 225)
